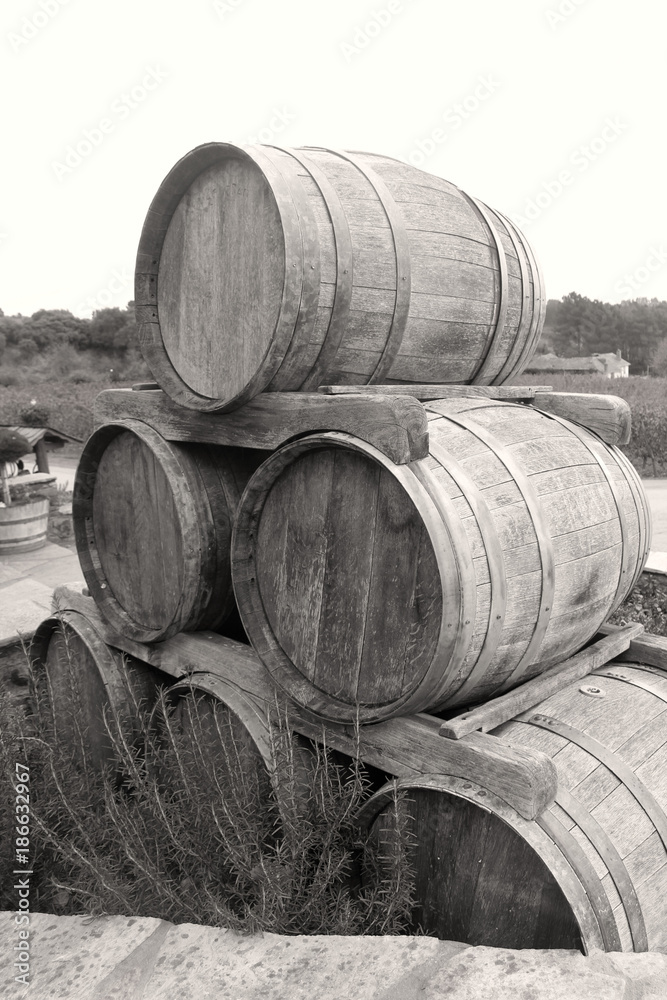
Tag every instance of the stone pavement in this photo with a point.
(27, 580)
(84, 958)
(656, 492)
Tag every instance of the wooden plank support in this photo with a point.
(511, 393)
(608, 416)
(395, 424)
(650, 650)
(498, 710)
(526, 779)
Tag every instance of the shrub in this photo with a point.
(34, 416)
(168, 830)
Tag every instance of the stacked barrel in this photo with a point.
(369, 589)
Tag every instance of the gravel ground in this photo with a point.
(647, 604)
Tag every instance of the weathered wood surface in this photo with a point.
(591, 869)
(608, 416)
(483, 875)
(334, 267)
(608, 740)
(648, 649)
(491, 714)
(380, 589)
(395, 425)
(515, 393)
(404, 747)
(82, 677)
(153, 523)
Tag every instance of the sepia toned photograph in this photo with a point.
(333, 500)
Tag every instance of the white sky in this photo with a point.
(546, 86)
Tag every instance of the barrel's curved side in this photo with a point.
(590, 552)
(328, 277)
(532, 319)
(607, 737)
(573, 878)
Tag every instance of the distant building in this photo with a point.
(549, 364)
(609, 365)
(615, 365)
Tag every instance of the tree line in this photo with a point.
(111, 330)
(577, 326)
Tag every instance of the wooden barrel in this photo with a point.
(81, 678)
(153, 523)
(381, 589)
(284, 269)
(591, 871)
(226, 730)
(23, 527)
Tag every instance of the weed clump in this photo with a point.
(185, 819)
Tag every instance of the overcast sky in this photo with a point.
(553, 112)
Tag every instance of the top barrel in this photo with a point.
(262, 268)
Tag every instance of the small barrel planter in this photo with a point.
(23, 526)
(153, 523)
(82, 677)
(262, 268)
(591, 871)
(370, 589)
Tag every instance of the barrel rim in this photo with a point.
(107, 661)
(151, 243)
(255, 619)
(107, 602)
(531, 831)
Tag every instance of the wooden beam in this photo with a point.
(498, 710)
(395, 424)
(651, 650)
(609, 416)
(511, 393)
(524, 778)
